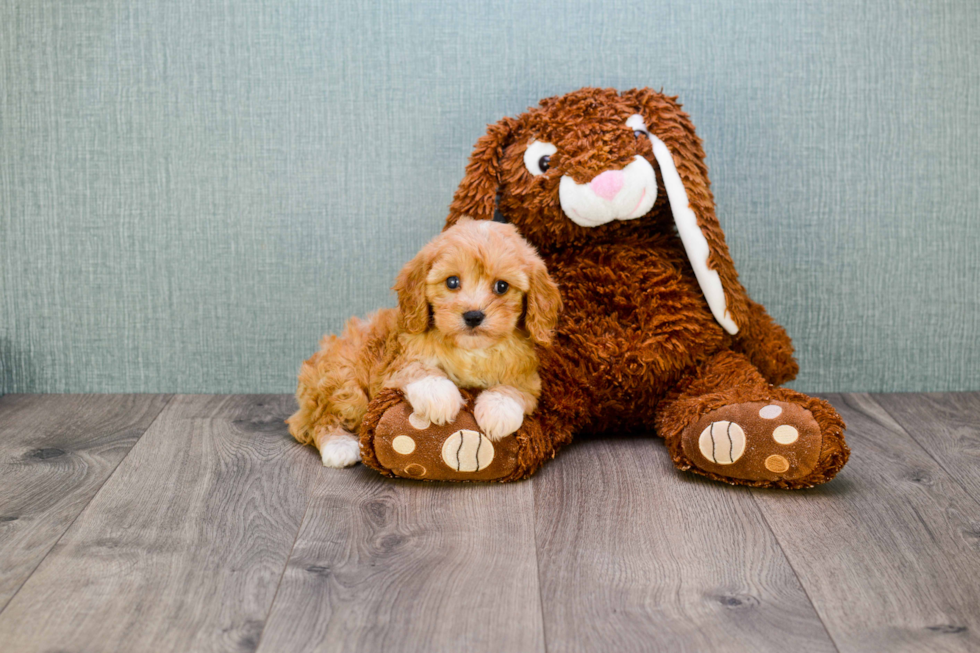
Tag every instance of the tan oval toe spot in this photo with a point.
(415, 470)
(418, 422)
(785, 434)
(403, 444)
(777, 464)
(770, 412)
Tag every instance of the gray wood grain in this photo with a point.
(198, 541)
(947, 425)
(889, 551)
(56, 451)
(184, 546)
(635, 555)
(392, 565)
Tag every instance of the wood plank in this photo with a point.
(635, 555)
(947, 425)
(184, 546)
(56, 451)
(391, 565)
(888, 551)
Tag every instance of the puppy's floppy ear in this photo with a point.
(410, 286)
(680, 156)
(476, 196)
(543, 302)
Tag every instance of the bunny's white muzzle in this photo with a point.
(624, 194)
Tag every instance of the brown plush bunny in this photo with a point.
(657, 333)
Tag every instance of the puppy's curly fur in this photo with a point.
(474, 306)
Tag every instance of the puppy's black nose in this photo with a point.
(473, 318)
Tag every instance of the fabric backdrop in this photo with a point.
(192, 191)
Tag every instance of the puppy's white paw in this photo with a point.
(340, 451)
(434, 398)
(497, 414)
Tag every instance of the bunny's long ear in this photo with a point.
(476, 196)
(680, 157)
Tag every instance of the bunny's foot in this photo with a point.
(398, 442)
(726, 422)
(756, 441)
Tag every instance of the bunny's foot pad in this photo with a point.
(414, 448)
(755, 441)
(396, 442)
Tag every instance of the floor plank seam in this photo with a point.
(537, 563)
(928, 453)
(285, 567)
(806, 593)
(87, 504)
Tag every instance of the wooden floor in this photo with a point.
(193, 523)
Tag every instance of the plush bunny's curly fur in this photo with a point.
(657, 332)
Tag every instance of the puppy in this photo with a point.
(472, 307)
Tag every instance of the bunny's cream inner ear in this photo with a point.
(691, 235)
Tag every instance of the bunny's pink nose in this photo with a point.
(608, 184)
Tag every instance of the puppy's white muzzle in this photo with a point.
(624, 194)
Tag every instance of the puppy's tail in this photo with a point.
(325, 412)
(301, 424)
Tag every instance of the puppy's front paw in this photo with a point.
(497, 414)
(435, 399)
(340, 451)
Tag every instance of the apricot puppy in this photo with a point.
(473, 306)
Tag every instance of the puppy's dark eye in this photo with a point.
(639, 132)
(544, 163)
(500, 287)
(452, 282)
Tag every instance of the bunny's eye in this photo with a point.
(639, 127)
(500, 287)
(537, 157)
(452, 282)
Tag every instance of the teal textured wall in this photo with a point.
(192, 191)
